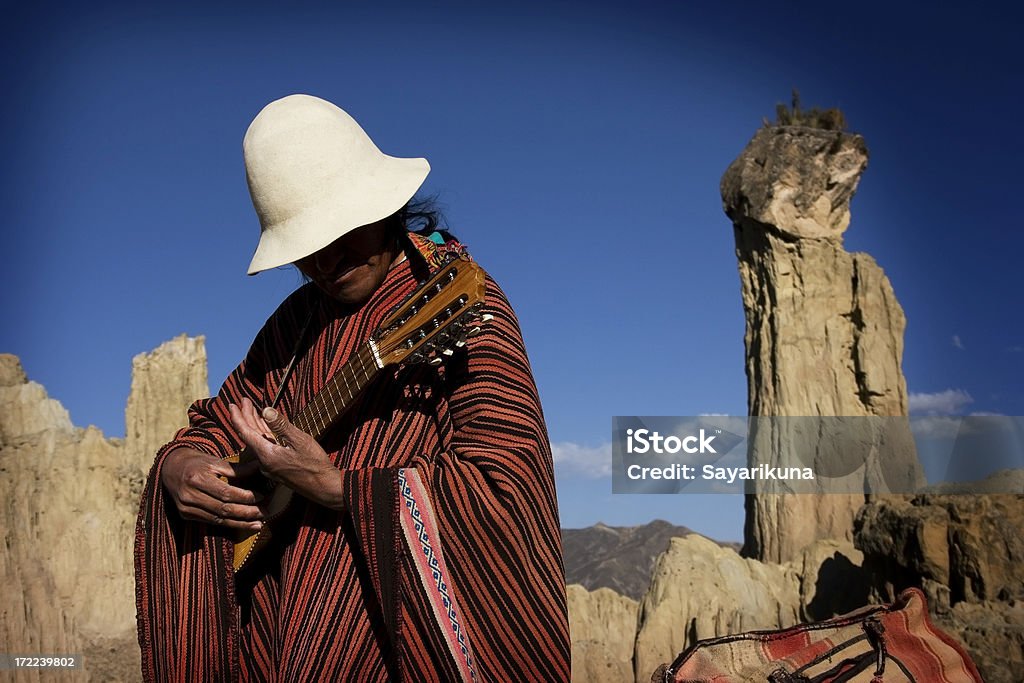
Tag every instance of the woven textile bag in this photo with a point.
(879, 644)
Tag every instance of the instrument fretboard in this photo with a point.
(324, 408)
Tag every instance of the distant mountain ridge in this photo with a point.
(620, 558)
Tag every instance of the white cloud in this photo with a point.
(947, 402)
(956, 341)
(731, 423)
(935, 427)
(945, 427)
(588, 461)
(721, 486)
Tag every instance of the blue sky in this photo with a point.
(577, 148)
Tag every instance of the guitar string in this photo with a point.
(316, 416)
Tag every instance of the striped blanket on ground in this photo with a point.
(881, 644)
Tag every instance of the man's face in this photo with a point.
(352, 267)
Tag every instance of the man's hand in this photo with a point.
(295, 460)
(191, 478)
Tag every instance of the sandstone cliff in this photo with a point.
(967, 553)
(824, 337)
(68, 500)
(616, 557)
(602, 625)
(164, 382)
(824, 332)
(701, 590)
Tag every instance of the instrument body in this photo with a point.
(426, 327)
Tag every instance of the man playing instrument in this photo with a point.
(423, 542)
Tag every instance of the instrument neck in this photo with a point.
(340, 391)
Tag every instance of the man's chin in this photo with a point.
(347, 295)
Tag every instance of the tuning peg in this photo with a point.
(435, 361)
(460, 343)
(473, 332)
(486, 317)
(448, 352)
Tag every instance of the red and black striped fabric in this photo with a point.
(879, 644)
(354, 595)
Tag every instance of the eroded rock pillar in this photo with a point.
(824, 331)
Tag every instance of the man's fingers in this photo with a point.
(201, 515)
(221, 491)
(251, 434)
(258, 423)
(215, 509)
(239, 421)
(191, 478)
(243, 469)
(235, 470)
(287, 434)
(234, 494)
(251, 416)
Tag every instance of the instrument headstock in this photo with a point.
(437, 318)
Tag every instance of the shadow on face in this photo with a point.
(352, 267)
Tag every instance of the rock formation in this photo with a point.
(164, 384)
(824, 332)
(602, 625)
(69, 500)
(967, 553)
(824, 338)
(69, 503)
(616, 557)
(702, 590)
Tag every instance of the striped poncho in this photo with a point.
(445, 564)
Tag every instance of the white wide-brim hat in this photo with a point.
(315, 175)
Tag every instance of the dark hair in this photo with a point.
(422, 214)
